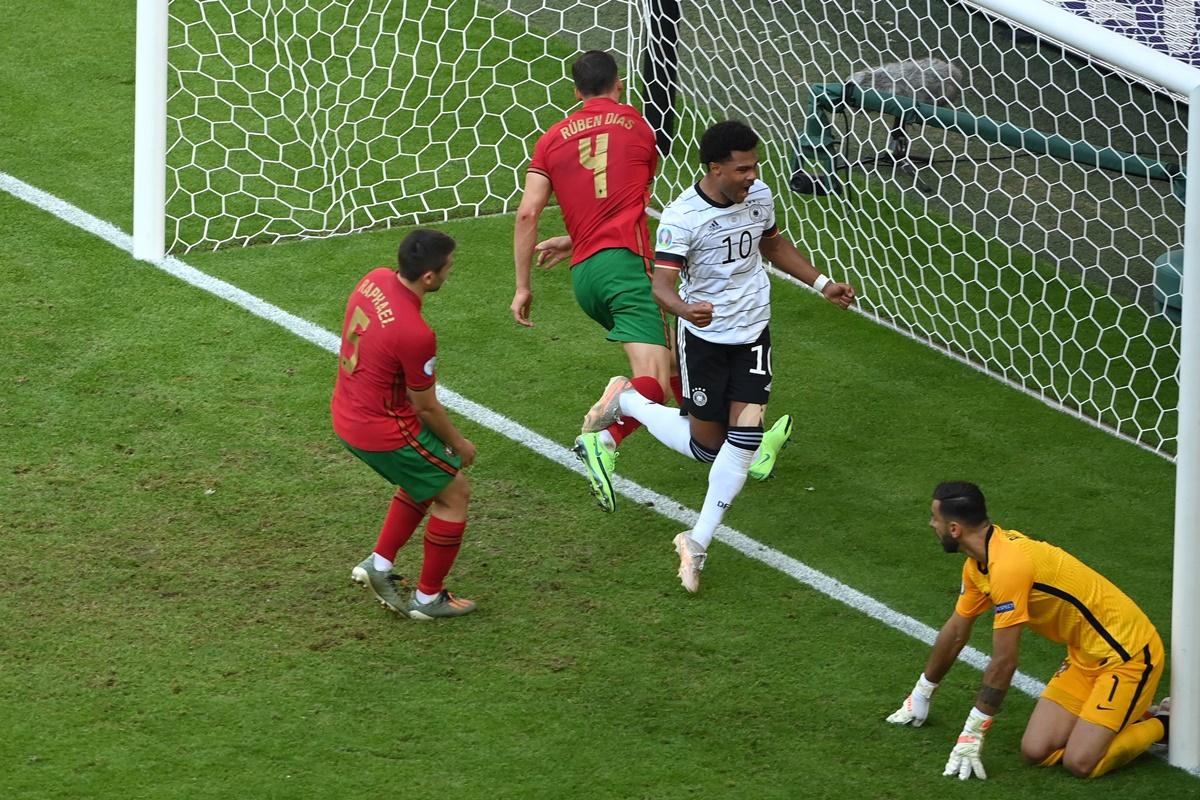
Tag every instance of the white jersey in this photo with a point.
(715, 248)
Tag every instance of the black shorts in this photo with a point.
(714, 375)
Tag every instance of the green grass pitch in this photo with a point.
(179, 524)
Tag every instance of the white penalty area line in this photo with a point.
(494, 421)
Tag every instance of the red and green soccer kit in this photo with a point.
(600, 162)
(388, 348)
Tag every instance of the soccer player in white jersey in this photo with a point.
(709, 273)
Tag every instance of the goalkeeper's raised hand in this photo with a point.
(967, 756)
(915, 708)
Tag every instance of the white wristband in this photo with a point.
(821, 282)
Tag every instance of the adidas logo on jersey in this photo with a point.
(714, 226)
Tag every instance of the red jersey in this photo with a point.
(601, 162)
(387, 348)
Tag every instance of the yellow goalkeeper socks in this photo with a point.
(1128, 745)
(1053, 758)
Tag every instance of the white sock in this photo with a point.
(423, 598)
(663, 422)
(607, 440)
(381, 564)
(726, 478)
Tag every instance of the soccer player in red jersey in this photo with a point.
(386, 412)
(600, 162)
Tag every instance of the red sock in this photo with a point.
(403, 517)
(648, 388)
(677, 389)
(442, 540)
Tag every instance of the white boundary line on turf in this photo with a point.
(484, 416)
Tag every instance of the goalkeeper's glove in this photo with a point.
(966, 757)
(916, 706)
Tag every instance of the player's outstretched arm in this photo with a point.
(433, 416)
(783, 254)
(966, 759)
(533, 202)
(949, 643)
(915, 708)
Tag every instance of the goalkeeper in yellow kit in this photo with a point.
(1090, 717)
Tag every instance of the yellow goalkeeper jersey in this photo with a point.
(1055, 594)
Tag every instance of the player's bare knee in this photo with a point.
(1035, 750)
(1033, 755)
(747, 415)
(454, 498)
(1081, 763)
(649, 360)
(709, 435)
(462, 489)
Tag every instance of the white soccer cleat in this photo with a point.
(607, 409)
(691, 561)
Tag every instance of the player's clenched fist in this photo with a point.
(840, 294)
(915, 708)
(699, 314)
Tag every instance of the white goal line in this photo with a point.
(549, 449)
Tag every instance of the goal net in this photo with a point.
(310, 118)
(991, 192)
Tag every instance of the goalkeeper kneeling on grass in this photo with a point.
(1092, 717)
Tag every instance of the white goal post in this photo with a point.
(1006, 182)
(1141, 61)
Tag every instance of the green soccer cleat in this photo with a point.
(607, 409)
(773, 443)
(600, 463)
(444, 605)
(380, 584)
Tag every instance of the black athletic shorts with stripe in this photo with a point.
(715, 375)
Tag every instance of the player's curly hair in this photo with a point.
(595, 73)
(423, 250)
(719, 141)
(961, 501)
